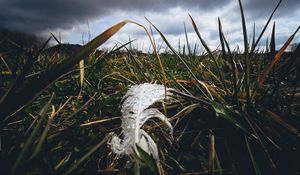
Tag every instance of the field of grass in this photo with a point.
(233, 112)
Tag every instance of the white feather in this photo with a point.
(135, 113)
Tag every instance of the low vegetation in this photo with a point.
(233, 112)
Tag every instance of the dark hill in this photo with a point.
(63, 49)
(11, 40)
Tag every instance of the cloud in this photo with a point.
(36, 15)
(75, 19)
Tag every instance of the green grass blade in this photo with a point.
(272, 43)
(229, 115)
(138, 65)
(255, 166)
(35, 87)
(25, 151)
(209, 52)
(265, 27)
(184, 63)
(219, 164)
(246, 54)
(145, 158)
(221, 38)
(253, 36)
(231, 59)
(88, 154)
(187, 40)
(43, 137)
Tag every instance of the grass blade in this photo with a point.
(209, 52)
(81, 69)
(146, 159)
(88, 154)
(184, 63)
(246, 54)
(35, 87)
(265, 27)
(24, 152)
(219, 165)
(229, 115)
(278, 119)
(57, 40)
(256, 168)
(272, 43)
(44, 134)
(211, 161)
(231, 59)
(253, 37)
(187, 41)
(263, 146)
(262, 78)
(221, 38)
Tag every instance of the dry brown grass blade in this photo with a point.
(276, 118)
(262, 78)
(100, 121)
(81, 68)
(211, 160)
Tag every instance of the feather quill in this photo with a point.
(135, 112)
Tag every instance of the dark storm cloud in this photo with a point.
(39, 15)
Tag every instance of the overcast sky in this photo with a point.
(75, 19)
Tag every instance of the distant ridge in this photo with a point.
(10, 40)
(63, 49)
